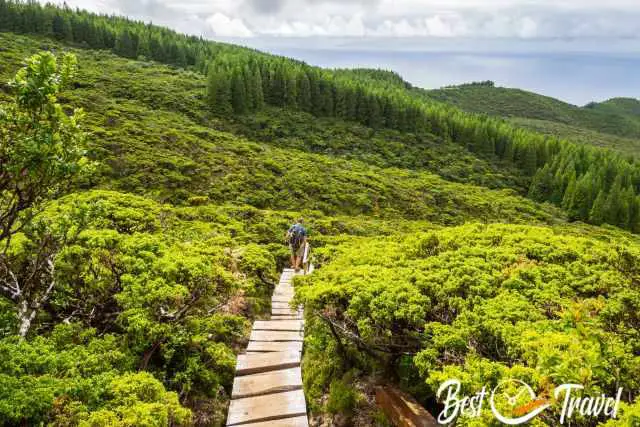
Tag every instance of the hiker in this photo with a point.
(297, 239)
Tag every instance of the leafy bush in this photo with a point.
(342, 398)
(483, 303)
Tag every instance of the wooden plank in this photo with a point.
(283, 293)
(267, 408)
(402, 409)
(296, 316)
(284, 286)
(275, 336)
(286, 422)
(284, 311)
(257, 363)
(278, 325)
(265, 346)
(278, 304)
(266, 383)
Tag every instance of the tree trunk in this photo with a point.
(147, 356)
(25, 318)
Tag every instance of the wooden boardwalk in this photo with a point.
(267, 390)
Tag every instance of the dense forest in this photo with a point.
(148, 178)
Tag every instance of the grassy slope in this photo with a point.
(613, 124)
(152, 134)
(630, 106)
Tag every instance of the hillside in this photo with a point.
(447, 243)
(170, 179)
(611, 124)
(629, 106)
(332, 166)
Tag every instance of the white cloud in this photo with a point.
(385, 18)
(445, 26)
(223, 26)
(529, 28)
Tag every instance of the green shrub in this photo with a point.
(342, 398)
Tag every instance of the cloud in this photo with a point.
(266, 6)
(223, 26)
(386, 18)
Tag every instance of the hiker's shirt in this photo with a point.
(300, 227)
(297, 235)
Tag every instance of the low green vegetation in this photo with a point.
(618, 116)
(581, 135)
(133, 285)
(144, 206)
(480, 303)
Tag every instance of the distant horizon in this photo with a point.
(571, 71)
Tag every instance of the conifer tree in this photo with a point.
(375, 117)
(613, 204)
(258, 95)
(634, 216)
(7, 16)
(627, 202)
(61, 26)
(290, 90)
(157, 48)
(580, 204)
(125, 45)
(597, 215)
(144, 46)
(238, 93)
(277, 87)
(530, 159)
(569, 193)
(304, 92)
(219, 93)
(541, 185)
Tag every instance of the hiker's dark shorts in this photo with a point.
(299, 252)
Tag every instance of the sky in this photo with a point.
(576, 50)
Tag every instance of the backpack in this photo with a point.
(296, 235)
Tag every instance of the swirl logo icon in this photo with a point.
(514, 402)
